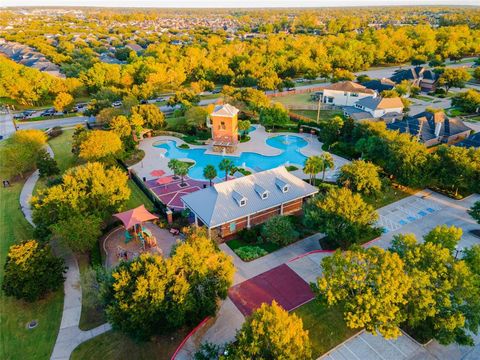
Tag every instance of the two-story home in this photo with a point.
(432, 128)
(345, 93)
(419, 76)
(370, 108)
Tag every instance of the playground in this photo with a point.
(281, 284)
(138, 235)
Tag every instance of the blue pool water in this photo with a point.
(288, 143)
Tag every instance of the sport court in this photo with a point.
(170, 189)
(281, 284)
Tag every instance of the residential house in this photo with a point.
(379, 85)
(432, 128)
(228, 207)
(345, 93)
(370, 108)
(473, 141)
(419, 76)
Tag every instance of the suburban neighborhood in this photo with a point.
(216, 183)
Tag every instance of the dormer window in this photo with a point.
(282, 185)
(261, 191)
(239, 198)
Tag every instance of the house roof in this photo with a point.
(379, 85)
(473, 141)
(221, 203)
(350, 86)
(356, 113)
(425, 124)
(379, 103)
(225, 110)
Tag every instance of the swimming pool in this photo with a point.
(290, 145)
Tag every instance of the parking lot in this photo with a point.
(401, 213)
(367, 346)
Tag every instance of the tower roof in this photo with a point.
(225, 110)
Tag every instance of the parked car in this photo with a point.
(216, 91)
(48, 112)
(143, 102)
(28, 113)
(117, 103)
(19, 116)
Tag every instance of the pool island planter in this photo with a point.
(231, 206)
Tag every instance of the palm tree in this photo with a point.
(327, 161)
(173, 165)
(225, 165)
(313, 165)
(182, 170)
(210, 173)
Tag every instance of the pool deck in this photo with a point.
(155, 157)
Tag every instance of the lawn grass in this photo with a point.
(388, 195)
(172, 122)
(424, 98)
(62, 148)
(326, 326)
(16, 341)
(137, 197)
(114, 345)
(324, 114)
(295, 99)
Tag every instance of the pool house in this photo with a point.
(228, 207)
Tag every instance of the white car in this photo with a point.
(117, 104)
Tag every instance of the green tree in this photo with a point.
(360, 176)
(279, 230)
(31, 271)
(475, 211)
(210, 173)
(152, 294)
(19, 153)
(341, 215)
(226, 165)
(152, 117)
(327, 163)
(372, 286)
(468, 101)
(444, 299)
(275, 115)
(63, 102)
(46, 165)
(446, 237)
(79, 233)
(244, 126)
(454, 77)
(313, 165)
(90, 189)
(100, 145)
(271, 333)
(196, 117)
(331, 130)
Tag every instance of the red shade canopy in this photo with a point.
(164, 181)
(157, 173)
(135, 216)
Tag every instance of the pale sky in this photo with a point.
(230, 3)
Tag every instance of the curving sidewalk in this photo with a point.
(69, 335)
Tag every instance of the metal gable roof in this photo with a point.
(216, 205)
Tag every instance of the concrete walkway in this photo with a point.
(69, 335)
